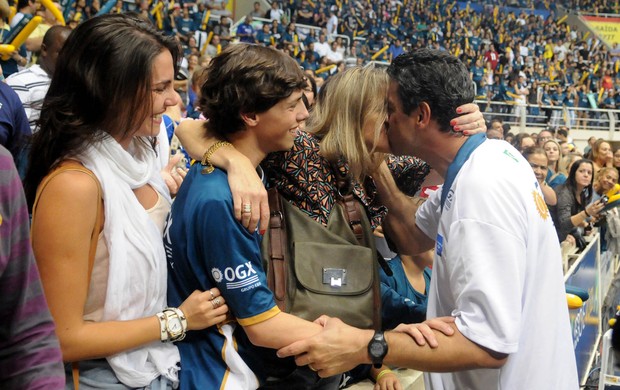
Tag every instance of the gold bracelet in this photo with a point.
(383, 373)
(207, 166)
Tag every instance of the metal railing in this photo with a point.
(523, 116)
(301, 29)
(600, 15)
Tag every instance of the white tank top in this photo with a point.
(93, 309)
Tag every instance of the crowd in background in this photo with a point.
(578, 186)
(519, 52)
(522, 57)
(510, 53)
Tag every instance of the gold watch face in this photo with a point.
(174, 326)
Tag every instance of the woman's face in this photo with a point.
(309, 94)
(162, 92)
(604, 152)
(617, 158)
(583, 175)
(193, 61)
(552, 152)
(607, 180)
(538, 162)
(369, 130)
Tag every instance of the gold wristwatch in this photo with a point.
(176, 324)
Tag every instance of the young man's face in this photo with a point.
(279, 124)
(400, 128)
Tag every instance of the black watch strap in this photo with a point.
(377, 349)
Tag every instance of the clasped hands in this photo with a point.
(340, 347)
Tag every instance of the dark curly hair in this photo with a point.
(434, 77)
(244, 79)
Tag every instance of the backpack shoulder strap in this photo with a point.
(278, 253)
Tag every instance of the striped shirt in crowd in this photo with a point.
(30, 356)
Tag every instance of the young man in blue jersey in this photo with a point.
(496, 255)
(253, 99)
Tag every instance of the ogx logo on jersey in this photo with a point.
(243, 277)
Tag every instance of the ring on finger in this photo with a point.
(212, 296)
(216, 303)
(312, 368)
(247, 208)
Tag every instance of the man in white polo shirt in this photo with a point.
(497, 274)
(31, 84)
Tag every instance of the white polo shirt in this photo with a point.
(497, 269)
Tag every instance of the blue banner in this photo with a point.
(585, 322)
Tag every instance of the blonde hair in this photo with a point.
(603, 171)
(344, 105)
(557, 166)
(596, 147)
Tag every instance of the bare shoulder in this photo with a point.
(72, 187)
(68, 202)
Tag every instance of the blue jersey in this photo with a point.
(554, 180)
(401, 303)
(207, 247)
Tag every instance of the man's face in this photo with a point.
(494, 134)
(279, 125)
(543, 137)
(401, 128)
(497, 126)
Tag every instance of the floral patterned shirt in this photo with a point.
(306, 179)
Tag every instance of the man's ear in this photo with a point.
(250, 119)
(424, 114)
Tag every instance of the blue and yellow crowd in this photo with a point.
(518, 51)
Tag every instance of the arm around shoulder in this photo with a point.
(245, 185)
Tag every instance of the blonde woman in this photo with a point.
(346, 132)
(602, 155)
(555, 175)
(604, 180)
